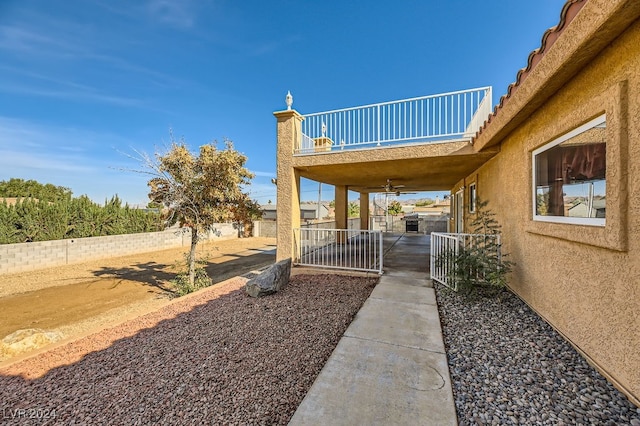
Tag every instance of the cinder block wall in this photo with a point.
(264, 228)
(31, 256)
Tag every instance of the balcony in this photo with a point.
(454, 116)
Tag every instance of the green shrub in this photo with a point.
(478, 265)
(182, 284)
(31, 219)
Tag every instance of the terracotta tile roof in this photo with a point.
(568, 12)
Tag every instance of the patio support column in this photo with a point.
(341, 200)
(364, 210)
(289, 134)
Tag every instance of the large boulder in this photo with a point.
(270, 281)
(27, 340)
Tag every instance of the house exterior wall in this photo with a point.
(584, 280)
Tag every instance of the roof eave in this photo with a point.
(586, 27)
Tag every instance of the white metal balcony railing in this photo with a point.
(444, 249)
(351, 249)
(454, 115)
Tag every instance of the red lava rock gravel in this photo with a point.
(214, 357)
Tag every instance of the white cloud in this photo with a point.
(263, 174)
(175, 13)
(18, 161)
(71, 157)
(71, 94)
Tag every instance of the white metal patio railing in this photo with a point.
(424, 119)
(444, 249)
(351, 249)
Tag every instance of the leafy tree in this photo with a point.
(425, 202)
(8, 220)
(245, 213)
(198, 191)
(152, 205)
(542, 203)
(35, 219)
(353, 209)
(394, 207)
(21, 188)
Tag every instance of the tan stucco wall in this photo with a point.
(288, 130)
(364, 211)
(583, 280)
(421, 167)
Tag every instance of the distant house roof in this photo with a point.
(268, 207)
(307, 210)
(432, 209)
(444, 203)
(408, 208)
(303, 206)
(580, 209)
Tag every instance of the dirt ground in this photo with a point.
(82, 298)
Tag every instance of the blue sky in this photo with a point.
(83, 83)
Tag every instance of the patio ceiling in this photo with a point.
(424, 167)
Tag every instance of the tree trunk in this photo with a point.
(192, 256)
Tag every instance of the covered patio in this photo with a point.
(419, 144)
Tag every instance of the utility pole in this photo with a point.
(386, 212)
(319, 200)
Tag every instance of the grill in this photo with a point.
(412, 223)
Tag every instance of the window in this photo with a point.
(472, 198)
(458, 203)
(569, 177)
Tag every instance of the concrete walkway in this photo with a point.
(390, 366)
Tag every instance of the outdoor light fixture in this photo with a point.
(324, 129)
(289, 100)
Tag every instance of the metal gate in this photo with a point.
(445, 247)
(350, 249)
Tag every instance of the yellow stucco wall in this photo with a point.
(583, 280)
(288, 184)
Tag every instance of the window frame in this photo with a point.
(612, 100)
(601, 222)
(473, 197)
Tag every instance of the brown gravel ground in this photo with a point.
(82, 298)
(214, 357)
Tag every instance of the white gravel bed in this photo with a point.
(216, 357)
(508, 366)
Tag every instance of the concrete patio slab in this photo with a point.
(392, 291)
(418, 282)
(404, 324)
(406, 274)
(373, 383)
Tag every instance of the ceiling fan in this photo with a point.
(390, 188)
